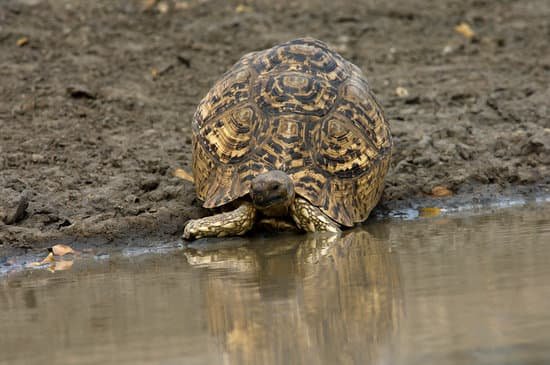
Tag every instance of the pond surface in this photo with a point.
(444, 290)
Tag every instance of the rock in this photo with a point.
(534, 145)
(149, 184)
(426, 160)
(80, 91)
(131, 199)
(16, 211)
(525, 175)
(37, 158)
(465, 151)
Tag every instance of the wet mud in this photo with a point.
(96, 100)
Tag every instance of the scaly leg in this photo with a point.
(310, 218)
(233, 223)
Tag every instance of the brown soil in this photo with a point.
(96, 102)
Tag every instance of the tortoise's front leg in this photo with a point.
(233, 223)
(310, 218)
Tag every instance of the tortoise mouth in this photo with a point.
(264, 202)
(273, 191)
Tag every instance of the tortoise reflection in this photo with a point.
(302, 298)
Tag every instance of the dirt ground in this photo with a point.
(96, 99)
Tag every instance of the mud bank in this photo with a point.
(96, 100)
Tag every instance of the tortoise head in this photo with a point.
(272, 192)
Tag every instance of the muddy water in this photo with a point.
(447, 290)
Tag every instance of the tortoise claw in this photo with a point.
(190, 230)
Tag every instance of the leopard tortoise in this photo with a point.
(289, 135)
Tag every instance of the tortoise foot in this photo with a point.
(310, 218)
(233, 223)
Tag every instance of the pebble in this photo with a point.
(150, 184)
(17, 212)
(37, 158)
(401, 92)
(80, 91)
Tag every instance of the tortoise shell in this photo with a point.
(301, 108)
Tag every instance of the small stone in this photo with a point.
(80, 92)
(401, 92)
(150, 184)
(448, 49)
(16, 213)
(533, 145)
(465, 151)
(37, 158)
(131, 199)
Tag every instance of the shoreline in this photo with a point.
(14, 260)
(168, 226)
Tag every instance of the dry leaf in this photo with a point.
(184, 175)
(154, 72)
(401, 92)
(241, 8)
(22, 41)
(163, 7)
(441, 191)
(465, 30)
(61, 250)
(48, 259)
(429, 212)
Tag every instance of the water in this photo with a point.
(446, 290)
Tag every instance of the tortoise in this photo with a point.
(289, 136)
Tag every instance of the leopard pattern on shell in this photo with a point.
(298, 107)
